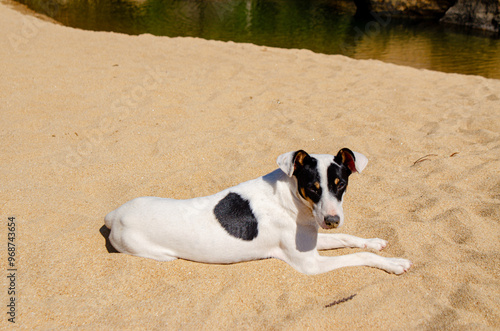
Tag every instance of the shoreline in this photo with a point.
(380, 39)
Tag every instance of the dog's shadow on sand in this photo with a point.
(105, 233)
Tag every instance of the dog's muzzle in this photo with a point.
(332, 221)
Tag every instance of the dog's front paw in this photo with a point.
(397, 266)
(375, 243)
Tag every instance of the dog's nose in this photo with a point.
(332, 221)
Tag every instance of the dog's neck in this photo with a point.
(289, 198)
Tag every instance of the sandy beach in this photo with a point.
(91, 120)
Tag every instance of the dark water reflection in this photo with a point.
(324, 26)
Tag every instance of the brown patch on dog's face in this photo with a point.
(304, 194)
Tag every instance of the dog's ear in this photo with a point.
(290, 161)
(355, 161)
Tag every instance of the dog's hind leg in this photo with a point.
(340, 240)
(132, 243)
(157, 256)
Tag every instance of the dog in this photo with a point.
(274, 216)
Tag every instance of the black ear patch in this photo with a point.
(236, 217)
(346, 156)
(300, 158)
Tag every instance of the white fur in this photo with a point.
(361, 161)
(166, 229)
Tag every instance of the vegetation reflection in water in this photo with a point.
(324, 26)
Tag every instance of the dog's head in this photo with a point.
(322, 181)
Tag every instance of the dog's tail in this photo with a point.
(108, 219)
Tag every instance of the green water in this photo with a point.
(323, 26)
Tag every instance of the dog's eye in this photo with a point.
(341, 185)
(313, 189)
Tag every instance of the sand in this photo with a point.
(91, 120)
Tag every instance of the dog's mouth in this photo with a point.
(324, 226)
(328, 227)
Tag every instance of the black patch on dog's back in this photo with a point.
(236, 217)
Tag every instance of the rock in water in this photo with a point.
(404, 8)
(483, 14)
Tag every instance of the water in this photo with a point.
(323, 26)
